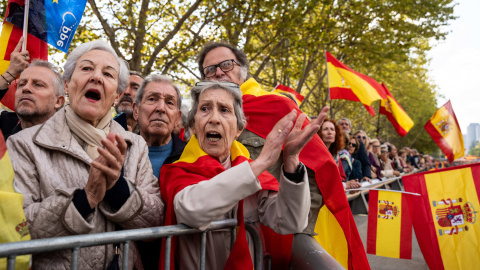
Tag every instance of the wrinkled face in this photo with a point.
(35, 95)
(93, 86)
(126, 99)
(215, 123)
(327, 133)
(158, 112)
(220, 54)
(376, 148)
(345, 125)
(352, 144)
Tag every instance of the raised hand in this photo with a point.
(298, 138)
(113, 158)
(18, 60)
(273, 144)
(106, 168)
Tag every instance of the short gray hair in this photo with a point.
(196, 91)
(346, 119)
(58, 81)
(160, 79)
(384, 147)
(123, 73)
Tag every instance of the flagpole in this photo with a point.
(378, 122)
(25, 24)
(328, 85)
(398, 191)
(415, 138)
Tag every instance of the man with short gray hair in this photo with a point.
(346, 125)
(157, 110)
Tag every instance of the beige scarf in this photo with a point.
(88, 136)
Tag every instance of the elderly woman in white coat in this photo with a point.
(214, 177)
(80, 172)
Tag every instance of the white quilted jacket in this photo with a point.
(50, 166)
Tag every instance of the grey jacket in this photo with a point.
(50, 166)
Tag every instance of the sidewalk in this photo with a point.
(383, 263)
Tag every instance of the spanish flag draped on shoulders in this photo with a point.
(195, 166)
(263, 109)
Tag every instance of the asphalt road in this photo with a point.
(377, 262)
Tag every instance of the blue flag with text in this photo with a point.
(52, 21)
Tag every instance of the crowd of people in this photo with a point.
(361, 159)
(83, 171)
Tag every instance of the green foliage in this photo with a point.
(475, 151)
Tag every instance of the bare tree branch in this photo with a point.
(108, 30)
(170, 35)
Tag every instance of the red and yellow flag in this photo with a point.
(445, 222)
(193, 167)
(9, 38)
(13, 224)
(395, 113)
(287, 90)
(336, 228)
(389, 225)
(345, 83)
(444, 129)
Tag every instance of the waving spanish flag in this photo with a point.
(445, 222)
(444, 129)
(389, 224)
(11, 34)
(195, 166)
(395, 113)
(345, 83)
(13, 224)
(336, 228)
(289, 91)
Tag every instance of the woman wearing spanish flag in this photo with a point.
(215, 179)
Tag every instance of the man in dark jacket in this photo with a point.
(157, 110)
(38, 96)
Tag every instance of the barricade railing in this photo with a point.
(75, 242)
(358, 201)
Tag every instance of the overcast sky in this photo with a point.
(455, 64)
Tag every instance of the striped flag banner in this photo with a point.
(389, 224)
(445, 220)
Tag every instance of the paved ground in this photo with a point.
(377, 262)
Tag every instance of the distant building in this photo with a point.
(473, 135)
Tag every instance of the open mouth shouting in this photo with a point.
(93, 95)
(213, 136)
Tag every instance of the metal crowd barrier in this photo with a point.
(359, 202)
(12, 250)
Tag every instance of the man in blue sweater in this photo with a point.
(157, 110)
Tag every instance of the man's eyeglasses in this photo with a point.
(352, 144)
(207, 83)
(383, 152)
(225, 66)
(361, 137)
